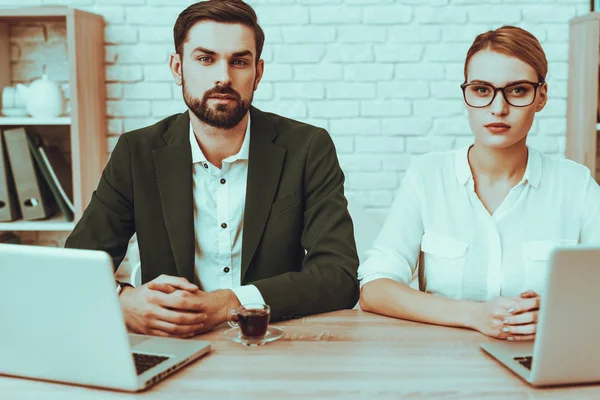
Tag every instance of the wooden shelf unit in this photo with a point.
(85, 127)
(28, 121)
(56, 223)
(583, 91)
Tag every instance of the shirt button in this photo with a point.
(206, 165)
(226, 269)
(223, 181)
(223, 225)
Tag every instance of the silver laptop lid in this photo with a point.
(59, 320)
(566, 348)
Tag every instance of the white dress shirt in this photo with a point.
(219, 201)
(468, 253)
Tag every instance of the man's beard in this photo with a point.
(222, 116)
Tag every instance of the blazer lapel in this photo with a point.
(173, 165)
(264, 169)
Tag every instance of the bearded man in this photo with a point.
(231, 205)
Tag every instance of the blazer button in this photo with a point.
(226, 269)
(223, 225)
(223, 181)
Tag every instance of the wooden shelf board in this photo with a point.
(591, 16)
(28, 121)
(55, 223)
(36, 11)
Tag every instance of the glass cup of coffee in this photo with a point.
(253, 321)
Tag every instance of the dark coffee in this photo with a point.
(253, 323)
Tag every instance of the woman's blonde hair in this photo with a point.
(515, 42)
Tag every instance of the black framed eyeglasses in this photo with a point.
(518, 94)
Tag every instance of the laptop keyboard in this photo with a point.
(525, 361)
(143, 362)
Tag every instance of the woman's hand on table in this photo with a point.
(522, 323)
(509, 318)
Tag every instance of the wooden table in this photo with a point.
(342, 355)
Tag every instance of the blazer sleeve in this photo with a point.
(108, 222)
(328, 279)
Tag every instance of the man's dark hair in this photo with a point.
(226, 11)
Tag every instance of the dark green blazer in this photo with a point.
(298, 242)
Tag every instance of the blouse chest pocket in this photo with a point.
(536, 259)
(444, 262)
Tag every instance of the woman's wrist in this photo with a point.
(469, 314)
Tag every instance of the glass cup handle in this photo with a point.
(230, 315)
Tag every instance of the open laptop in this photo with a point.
(61, 321)
(566, 348)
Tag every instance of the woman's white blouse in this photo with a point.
(468, 253)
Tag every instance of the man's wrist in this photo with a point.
(229, 302)
(122, 286)
(232, 301)
(127, 288)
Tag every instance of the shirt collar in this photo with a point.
(533, 170)
(199, 157)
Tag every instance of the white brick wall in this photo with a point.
(381, 75)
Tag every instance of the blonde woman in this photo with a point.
(485, 218)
